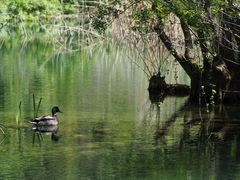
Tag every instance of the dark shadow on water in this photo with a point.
(156, 97)
(99, 132)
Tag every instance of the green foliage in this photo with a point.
(27, 13)
(144, 11)
(100, 25)
(69, 9)
(27, 9)
(32, 14)
(106, 13)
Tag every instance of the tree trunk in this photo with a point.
(195, 88)
(221, 71)
(187, 61)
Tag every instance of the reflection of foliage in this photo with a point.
(190, 131)
(189, 124)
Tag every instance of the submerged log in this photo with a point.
(177, 89)
(159, 89)
(157, 84)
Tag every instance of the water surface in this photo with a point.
(108, 129)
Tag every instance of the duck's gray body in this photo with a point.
(45, 129)
(47, 120)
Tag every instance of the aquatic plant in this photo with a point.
(35, 111)
(19, 113)
(3, 129)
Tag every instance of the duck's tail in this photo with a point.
(33, 121)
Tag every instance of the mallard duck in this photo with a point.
(47, 120)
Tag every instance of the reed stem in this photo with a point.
(39, 103)
(34, 106)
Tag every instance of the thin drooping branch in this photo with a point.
(189, 54)
(204, 48)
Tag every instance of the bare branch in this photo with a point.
(189, 54)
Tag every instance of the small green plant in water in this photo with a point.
(2, 127)
(35, 111)
(18, 116)
(208, 96)
(212, 97)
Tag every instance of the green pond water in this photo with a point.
(109, 129)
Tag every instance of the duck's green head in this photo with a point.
(55, 110)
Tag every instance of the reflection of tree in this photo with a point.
(162, 130)
(220, 124)
(213, 136)
(99, 132)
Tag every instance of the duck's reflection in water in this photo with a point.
(39, 131)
